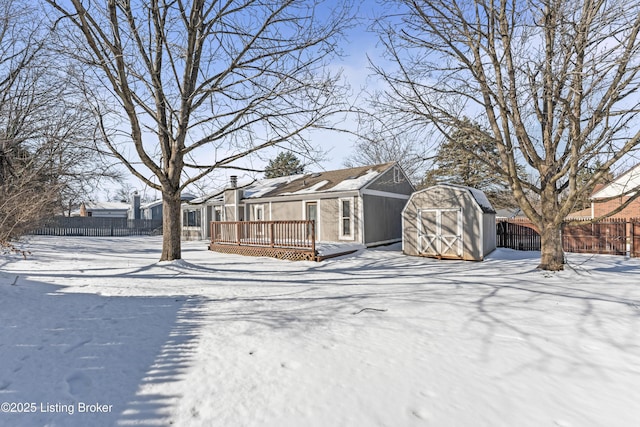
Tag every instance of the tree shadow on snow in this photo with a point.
(62, 350)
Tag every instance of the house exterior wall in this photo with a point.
(331, 228)
(383, 219)
(340, 208)
(283, 211)
(233, 206)
(477, 239)
(387, 182)
(602, 208)
(328, 223)
(155, 212)
(106, 213)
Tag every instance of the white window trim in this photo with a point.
(341, 234)
(304, 214)
(257, 208)
(218, 209)
(397, 175)
(192, 227)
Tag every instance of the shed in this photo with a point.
(449, 221)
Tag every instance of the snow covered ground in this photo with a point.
(96, 332)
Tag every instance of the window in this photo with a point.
(191, 218)
(397, 175)
(258, 213)
(346, 219)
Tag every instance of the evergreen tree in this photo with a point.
(284, 164)
(464, 159)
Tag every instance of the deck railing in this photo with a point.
(299, 234)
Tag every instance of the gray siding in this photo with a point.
(330, 220)
(386, 182)
(285, 211)
(383, 219)
(489, 233)
(478, 228)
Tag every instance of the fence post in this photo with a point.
(313, 238)
(632, 240)
(238, 228)
(271, 228)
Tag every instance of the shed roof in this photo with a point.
(476, 195)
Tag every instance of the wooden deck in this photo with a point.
(292, 240)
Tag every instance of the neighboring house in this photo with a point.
(103, 209)
(133, 210)
(509, 213)
(612, 195)
(356, 205)
(153, 210)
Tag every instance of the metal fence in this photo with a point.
(516, 234)
(98, 227)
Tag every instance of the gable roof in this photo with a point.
(477, 196)
(351, 179)
(620, 186)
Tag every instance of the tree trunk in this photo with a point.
(171, 226)
(552, 256)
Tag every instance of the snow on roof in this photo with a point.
(151, 204)
(265, 186)
(311, 189)
(350, 179)
(622, 185)
(215, 197)
(111, 206)
(482, 200)
(477, 195)
(356, 183)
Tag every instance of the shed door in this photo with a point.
(440, 232)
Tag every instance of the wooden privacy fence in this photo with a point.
(98, 227)
(281, 239)
(602, 237)
(613, 236)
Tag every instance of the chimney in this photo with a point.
(135, 206)
(233, 181)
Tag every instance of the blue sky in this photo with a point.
(354, 66)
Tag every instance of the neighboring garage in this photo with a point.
(449, 221)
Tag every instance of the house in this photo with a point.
(103, 210)
(153, 210)
(609, 197)
(360, 205)
(449, 221)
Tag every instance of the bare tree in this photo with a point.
(554, 83)
(183, 88)
(380, 141)
(46, 153)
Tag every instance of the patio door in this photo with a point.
(440, 232)
(311, 213)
